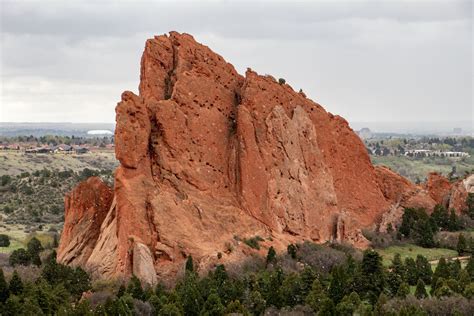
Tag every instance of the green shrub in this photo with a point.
(4, 240)
(253, 242)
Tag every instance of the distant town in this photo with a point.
(56, 144)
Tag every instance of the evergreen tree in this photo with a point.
(327, 308)
(461, 246)
(393, 281)
(454, 268)
(420, 291)
(121, 290)
(13, 306)
(469, 291)
(348, 305)
(190, 295)
(423, 268)
(372, 275)
(441, 271)
(308, 275)
(453, 221)
(3, 287)
(397, 266)
(135, 289)
(403, 290)
(189, 264)
(271, 256)
(291, 249)
(411, 271)
(235, 307)
(35, 259)
(169, 309)
(16, 285)
(470, 267)
(213, 306)
(464, 279)
(338, 284)
(19, 257)
(379, 306)
(34, 246)
(256, 303)
(440, 216)
(315, 296)
(292, 290)
(424, 234)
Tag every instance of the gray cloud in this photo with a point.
(367, 60)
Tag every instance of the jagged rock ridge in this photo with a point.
(207, 155)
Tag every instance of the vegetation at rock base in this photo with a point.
(311, 279)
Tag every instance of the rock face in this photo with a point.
(85, 209)
(208, 157)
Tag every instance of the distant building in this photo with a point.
(39, 150)
(435, 153)
(63, 148)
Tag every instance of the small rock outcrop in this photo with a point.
(209, 157)
(85, 209)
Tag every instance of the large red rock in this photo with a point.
(209, 157)
(439, 188)
(85, 209)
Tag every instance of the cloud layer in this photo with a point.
(365, 60)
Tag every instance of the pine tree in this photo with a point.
(291, 249)
(135, 288)
(441, 271)
(440, 216)
(16, 285)
(453, 221)
(34, 246)
(213, 305)
(461, 246)
(190, 294)
(470, 267)
(403, 290)
(3, 287)
(423, 268)
(420, 291)
(411, 271)
(397, 266)
(121, 290)
(327, 307)
(338, 284)
(372, 275)
(256, 303)
(235, 307)
(315, 296)
(189, 264)
(271, 256)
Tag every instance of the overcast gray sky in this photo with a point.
(365, 60)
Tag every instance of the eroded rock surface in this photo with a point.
(85, 209)
(208, 157)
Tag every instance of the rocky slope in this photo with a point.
(208, 157)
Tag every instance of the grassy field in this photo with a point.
(412, 251)
(419, 168)
(19, 237)
(13, 163)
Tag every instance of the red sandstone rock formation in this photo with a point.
(207, 155)
(85, 209)
(439, 188)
